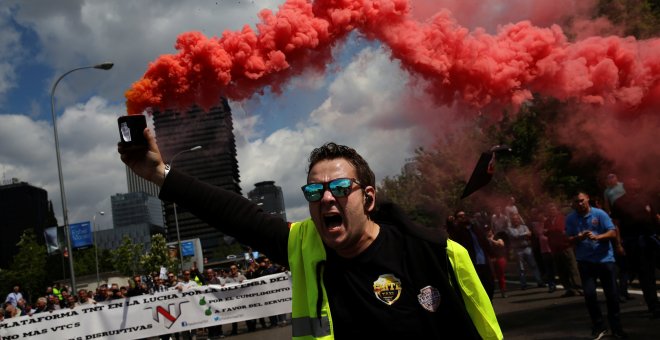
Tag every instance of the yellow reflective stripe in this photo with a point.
(476, 300)
(307, 326)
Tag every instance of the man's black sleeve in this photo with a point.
(230, 213)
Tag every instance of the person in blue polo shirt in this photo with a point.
(591, 231)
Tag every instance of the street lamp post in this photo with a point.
(176, 218)
(96, 247)
(67, 232)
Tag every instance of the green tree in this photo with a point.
(539, 169)
(430, 187)
(105, 260)
(126, 258)
(158, 256)
(28, 267)
(84, 261)
(639, 18)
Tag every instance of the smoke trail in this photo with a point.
(477, 68)
(493, 13)
(239, 63)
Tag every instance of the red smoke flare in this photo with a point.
(474, 67)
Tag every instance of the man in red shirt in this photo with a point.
(562, 251)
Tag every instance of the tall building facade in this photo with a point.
(269, 196)
(215, 163)
(22, 207)
(145, 197)
(138, 233)
(137, 215)
(136, 183)
(136, 208)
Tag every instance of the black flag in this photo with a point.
(483, 171)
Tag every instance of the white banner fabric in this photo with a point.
(161, 313)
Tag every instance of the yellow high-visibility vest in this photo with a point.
(306, 251)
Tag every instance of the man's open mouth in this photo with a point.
(332, 221)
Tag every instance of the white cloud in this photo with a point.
(91, 168)
(129, 33)
(347, 117)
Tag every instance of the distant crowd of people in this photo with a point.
(614, 243)
(59, 296)
(540, 247)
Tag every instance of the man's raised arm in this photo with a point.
(146, 162)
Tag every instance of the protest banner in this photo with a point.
(160, 313)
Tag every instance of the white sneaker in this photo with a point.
(599, 334)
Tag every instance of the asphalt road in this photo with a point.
(537, 314)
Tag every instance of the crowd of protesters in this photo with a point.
(548, 243)
(540, 249)
(574, 247)
(58, 296)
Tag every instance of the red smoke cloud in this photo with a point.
(492, 13)
(470, 66)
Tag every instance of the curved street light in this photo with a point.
(103, 66)
(176, 218)
(96, 247)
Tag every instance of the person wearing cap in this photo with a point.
(358, 269)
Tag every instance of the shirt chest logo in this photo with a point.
(429, 298)
(387, 288)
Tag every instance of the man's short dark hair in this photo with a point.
(580, 191)
(331, 150)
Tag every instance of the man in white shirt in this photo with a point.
(186, 283)
(235, 276)
(14, 296)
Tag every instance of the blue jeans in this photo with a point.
(525, 256)
(606, 273)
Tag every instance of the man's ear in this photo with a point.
(369, 198)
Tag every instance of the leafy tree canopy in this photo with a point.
(126, 258)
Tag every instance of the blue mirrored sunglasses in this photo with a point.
(339, 187)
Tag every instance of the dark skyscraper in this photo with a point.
(136, 208)
(215, 163)
(269, 196)
(22, 207)
(136, 183)
(137, 215)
